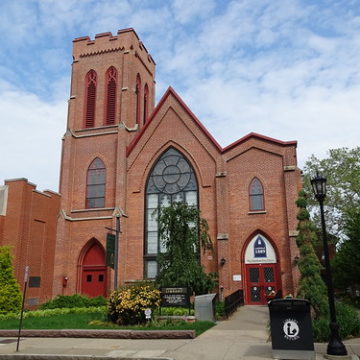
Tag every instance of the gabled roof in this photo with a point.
(171, 91)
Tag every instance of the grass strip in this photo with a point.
(98, 321)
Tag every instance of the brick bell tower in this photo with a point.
(112, 94)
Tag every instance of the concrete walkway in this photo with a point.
(243, 336)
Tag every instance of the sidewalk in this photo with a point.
(243, 336)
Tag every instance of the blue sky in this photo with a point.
(287, 69)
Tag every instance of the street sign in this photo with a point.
(110, 250)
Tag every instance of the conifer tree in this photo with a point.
(10, 294)
(311, 286)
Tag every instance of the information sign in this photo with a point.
(175, 297)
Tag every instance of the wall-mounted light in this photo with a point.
(222, 261)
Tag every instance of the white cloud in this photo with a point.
(30, 137)
(288, 70)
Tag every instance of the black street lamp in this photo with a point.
(335, 345)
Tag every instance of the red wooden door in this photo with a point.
(93, 278)
(93, 281)
(261, 279)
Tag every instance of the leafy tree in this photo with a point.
(183, 233)
(311, 286)
(346, 264)
(10, 294)
(342, 170)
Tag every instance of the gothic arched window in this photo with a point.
(138, 99)
(110, 91)
(146, 103)
(95, 185)
(172, 179)
(90, 98)
(256, 195)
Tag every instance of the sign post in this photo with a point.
(26, 277)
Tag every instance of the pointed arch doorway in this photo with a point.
(93, 270)
(261, 270)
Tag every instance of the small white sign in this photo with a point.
(147, 313)
(236, 277)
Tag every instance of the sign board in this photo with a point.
(175, 296)
(110, 250)
(34, 281)
(236, 277)
(259, 248)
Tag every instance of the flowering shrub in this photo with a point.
(127, 305)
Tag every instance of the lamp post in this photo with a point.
(335, 345)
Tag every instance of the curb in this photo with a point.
(102, 334)
(73, 357)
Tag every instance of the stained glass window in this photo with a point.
(172, 179)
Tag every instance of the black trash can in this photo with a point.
(291, 329)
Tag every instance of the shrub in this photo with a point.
(73, 301)
(10, 295)
(169, 311)
(127, 305)
(220, 309)
(347, 318)
(53, 312)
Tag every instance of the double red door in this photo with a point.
(94, 281)
(261, 280)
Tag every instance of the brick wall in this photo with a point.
(29, 227)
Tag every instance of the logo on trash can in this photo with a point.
(291, 329)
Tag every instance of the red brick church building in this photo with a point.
(124, 157)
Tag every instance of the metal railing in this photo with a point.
(233, 301)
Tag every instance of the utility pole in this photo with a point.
(116, 255)
(116, 247)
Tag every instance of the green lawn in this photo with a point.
(97, 321)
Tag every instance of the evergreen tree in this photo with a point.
(183, 233)
(311, 286)
(10, 294)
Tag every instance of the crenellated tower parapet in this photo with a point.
(113, 82)
(126, 40)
